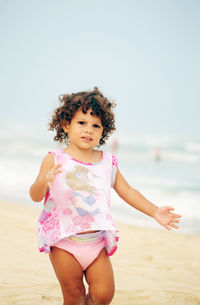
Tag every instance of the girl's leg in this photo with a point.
(70, 275)
(100, 278)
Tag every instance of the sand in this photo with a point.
(151, 266)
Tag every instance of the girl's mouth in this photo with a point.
(87, 139)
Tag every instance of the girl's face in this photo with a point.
(84, 130)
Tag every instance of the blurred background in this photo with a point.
(142, 54)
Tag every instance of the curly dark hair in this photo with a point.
(71, 103)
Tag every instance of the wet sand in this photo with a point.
(151, 266)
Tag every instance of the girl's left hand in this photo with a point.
(166, 218)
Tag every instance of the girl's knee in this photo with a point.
(73, 292)
(102, 295)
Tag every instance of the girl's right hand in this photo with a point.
(50, 176)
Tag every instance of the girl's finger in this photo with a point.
(175, 220)
(167, 227)
(57, 172)
(169, 208)
(174, 226)
(56, 169)
(50, 175)
(57, 166)
(176, 215)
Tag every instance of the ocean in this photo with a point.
(164, 168)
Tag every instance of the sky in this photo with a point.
(142, 54)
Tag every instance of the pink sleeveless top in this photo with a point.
(79, 201)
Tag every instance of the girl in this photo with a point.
(75, 226)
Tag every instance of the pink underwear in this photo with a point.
(84, 247)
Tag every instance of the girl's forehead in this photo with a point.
(80, 114)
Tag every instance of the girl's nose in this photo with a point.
(89, 129)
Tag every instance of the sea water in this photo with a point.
(164, 168)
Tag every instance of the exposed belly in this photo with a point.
(86, 232)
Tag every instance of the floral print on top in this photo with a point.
(79, 201)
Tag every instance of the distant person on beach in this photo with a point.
(76, 227)
(157, 153)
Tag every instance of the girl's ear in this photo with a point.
(65, 126)
(65, 129)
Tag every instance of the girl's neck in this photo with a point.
(92, 156)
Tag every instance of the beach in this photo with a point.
(151, 266)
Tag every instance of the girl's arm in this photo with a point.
(45, 178)
(163, 215)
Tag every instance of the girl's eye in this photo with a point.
(81, 122)
(96, 126)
